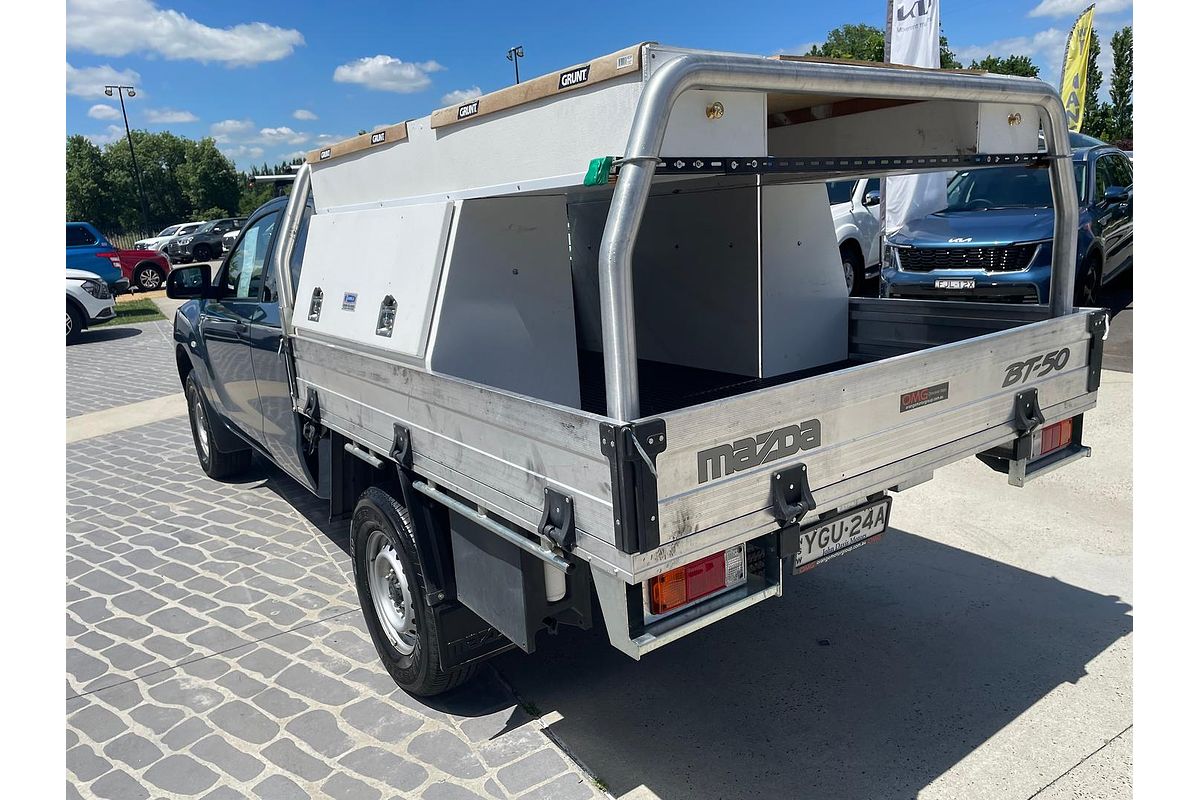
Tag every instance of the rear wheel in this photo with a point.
(391, 591)
(217, 464)
(852, 267)
(74, 324)
(1087, 290)
(148, 278)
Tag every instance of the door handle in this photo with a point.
(241, 327)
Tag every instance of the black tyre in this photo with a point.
(391, 591)
(74, 324)
(216, 463)
(852, 266)
(1087, 288)
(148, 278)
(202, 252)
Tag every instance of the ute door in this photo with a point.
(280, 426)
(225, 326)
(866, 216)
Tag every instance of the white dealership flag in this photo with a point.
(913, 38)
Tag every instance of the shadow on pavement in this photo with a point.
(868, 678)
(107, 334)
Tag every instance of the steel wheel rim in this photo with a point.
(70, 324)
(390, 594)
(201, 425)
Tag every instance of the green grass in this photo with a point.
(135, 311)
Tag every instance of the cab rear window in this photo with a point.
(79, 236)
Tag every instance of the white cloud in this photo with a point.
(111, 134)
(282, 135)
(121, 27)
(798, 50)
(167, 116)
(457, 96)
(242, 151)
(102, 111)
(90, 81)
(304, 114)
(229, 129)
(1044, 47)
(387, 74)
(1065, 8)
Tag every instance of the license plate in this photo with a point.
(839, 535)
(954, 283)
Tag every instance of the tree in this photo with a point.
(209, 180)
(1010, 65)
(859, 42)
(89, 192)
(1092, 122)
(862, 42)
(949, 60)
(161, 159)
(1120, 85)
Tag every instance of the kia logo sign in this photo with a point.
(918, 9)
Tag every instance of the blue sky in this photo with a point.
(273, 79)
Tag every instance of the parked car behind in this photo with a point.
(152, 242)
(993, 239)
(185, 229)
(205, 243)
(229, 239)
(88, 302)
(146, 270)
(89, 250)
(854, 205)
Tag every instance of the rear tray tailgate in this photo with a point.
(867, 427)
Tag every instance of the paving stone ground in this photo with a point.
(214, 644)
(116, 365)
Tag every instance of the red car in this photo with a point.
(146, 270)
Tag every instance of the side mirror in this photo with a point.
(871, 198)
(185, 283)
(1116, 194)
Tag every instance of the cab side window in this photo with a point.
(244, 270)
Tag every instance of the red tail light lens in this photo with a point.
(1056, 436)
(692, 581)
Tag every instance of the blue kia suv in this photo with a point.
(992, 242)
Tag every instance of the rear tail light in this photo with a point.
(682, 585)
(1056, 436)
(113, 257)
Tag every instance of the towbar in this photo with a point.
(699, 71)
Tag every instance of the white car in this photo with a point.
(159, 242)
(854, 205)
(229, 240)
(88, 302)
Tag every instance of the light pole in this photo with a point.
(137, 175)
(513, 54)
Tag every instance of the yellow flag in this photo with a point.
(1075, 63)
